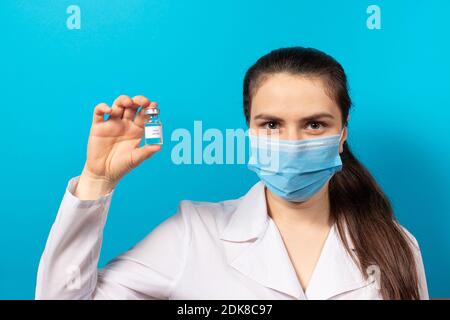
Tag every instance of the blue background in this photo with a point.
(191, 56)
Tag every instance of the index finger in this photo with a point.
(141, 101)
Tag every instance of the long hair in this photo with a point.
(362, 212)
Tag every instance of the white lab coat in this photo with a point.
(225, 250)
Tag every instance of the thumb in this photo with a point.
(138, 155)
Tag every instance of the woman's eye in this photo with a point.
(315, 125)
(271, 125)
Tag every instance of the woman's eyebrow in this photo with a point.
(315, 116)
(267, 117)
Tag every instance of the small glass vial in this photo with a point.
(153, 127)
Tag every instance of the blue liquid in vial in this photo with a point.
(153, 139)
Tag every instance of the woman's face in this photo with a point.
(295, 107)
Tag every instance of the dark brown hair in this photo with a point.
(358, 205)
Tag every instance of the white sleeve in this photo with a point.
(421, 277)
(68, 268)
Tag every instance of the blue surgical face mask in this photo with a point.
(295, 169)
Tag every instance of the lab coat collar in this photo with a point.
(263, 257)
(250, 218)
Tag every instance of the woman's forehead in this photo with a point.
(292, 95)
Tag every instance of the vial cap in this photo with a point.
(151, 111)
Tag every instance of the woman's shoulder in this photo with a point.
(224, 207)
(410, 236)
(423, 287)
(205, 212)
(217, 215)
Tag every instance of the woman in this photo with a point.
(317, 226)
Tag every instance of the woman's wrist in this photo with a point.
(91, 187)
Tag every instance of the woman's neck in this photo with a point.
(315, 212)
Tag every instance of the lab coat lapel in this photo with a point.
(335, 272)
(255, 248)
(267, 262)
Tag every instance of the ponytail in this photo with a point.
(364, 216)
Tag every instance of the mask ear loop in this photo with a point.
(342, 134)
